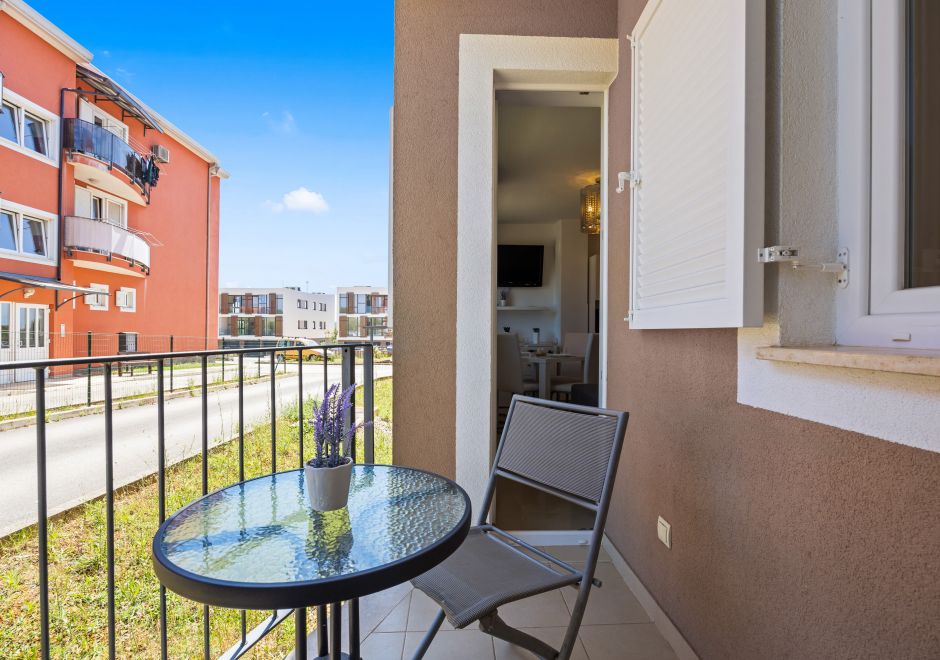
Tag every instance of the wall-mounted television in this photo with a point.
(519, 265)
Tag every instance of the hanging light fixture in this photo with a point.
(591, 208)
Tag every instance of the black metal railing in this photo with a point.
(92, 140)
(276, 356)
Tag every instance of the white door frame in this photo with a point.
(488, 63)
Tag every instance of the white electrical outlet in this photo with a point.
(664, 532)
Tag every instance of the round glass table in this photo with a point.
(259, 545)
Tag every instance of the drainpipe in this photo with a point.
(60, 225)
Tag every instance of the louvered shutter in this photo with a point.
(697, 210)
(82, 202)
(224, 304)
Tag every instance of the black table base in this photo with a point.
(329, 647)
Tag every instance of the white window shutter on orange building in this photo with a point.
(697, 207)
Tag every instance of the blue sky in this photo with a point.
(294, 102)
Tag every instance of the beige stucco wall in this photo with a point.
(791, 539)
(425, 197)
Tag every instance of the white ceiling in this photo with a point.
(549, 148)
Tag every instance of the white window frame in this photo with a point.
(99, 302)
(875, 309)
(108, 121)
(105, 198)
(50, 235)
(120, 299)
(50, 121)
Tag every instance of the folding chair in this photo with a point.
(563, 449)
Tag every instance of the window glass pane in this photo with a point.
(35, 135)
(41, 328)
(923, 207)
(7, 231)
(33, 240)
(8, 123)
(32, 327)
(115, 213)
(4, 325)
(22, 328)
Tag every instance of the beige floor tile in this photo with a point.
(637, 641)
(571, 553)
(375, 608)
(397, 618)
(541, 611)
(612, 603)
(422, 613)
(383, 646)
(553, 636)
(452, 645)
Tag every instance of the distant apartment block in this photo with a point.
(275, 312)
(362, 314)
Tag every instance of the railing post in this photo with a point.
(172, 364)
(42, 530)
(161, 491)
(109, 506)
(348, 380)
(89, 368)
(368, 404)
(300, 403)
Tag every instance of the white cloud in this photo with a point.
(300, 200)
(284, 124)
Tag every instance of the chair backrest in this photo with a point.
(576, 343)
(567, 450)
(508, 364)
(592, 359)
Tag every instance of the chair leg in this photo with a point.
(429, 636)
(493, 625)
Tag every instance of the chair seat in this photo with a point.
(564, 387)
(530, 386)
(483, 574)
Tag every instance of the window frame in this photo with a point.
(127, 290)
(50, 121)
(874, 309)
(20, 213)
(94, 302)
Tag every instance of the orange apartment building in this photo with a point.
(109, 214)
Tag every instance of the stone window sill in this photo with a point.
(897, 360)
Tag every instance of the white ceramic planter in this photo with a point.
(328, 487)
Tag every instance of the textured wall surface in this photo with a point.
(790, 539)
(425, 197)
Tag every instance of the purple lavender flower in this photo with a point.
(334, 442)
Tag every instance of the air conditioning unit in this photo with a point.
(161, 153)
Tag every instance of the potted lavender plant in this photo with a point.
(327, 474)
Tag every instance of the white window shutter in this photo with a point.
(697, 210)
(82, 202)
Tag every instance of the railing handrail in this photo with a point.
(144, 357)
(106, 221)
(97, 128)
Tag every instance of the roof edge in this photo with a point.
(44, 28)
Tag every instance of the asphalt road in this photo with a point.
(76, 454)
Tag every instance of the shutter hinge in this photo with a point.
(791, 255)
(623, 177)
(629, 317)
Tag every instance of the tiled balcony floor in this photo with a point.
(615, 625)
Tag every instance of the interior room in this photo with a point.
(548, 263)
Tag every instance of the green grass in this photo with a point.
(77, 564)
(383, 398)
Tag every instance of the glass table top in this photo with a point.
(263, 531)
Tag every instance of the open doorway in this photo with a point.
(548, 221)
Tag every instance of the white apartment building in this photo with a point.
(362, 314)
(267, 312)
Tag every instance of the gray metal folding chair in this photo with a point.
(563, 449)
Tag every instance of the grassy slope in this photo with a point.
(77, 563)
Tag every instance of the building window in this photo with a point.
(24, 233)
(98, 302)
(27, 127)
(268, 326)
(352, 326)
(302, 304)
(301, 325)
(363, 303)
(126, 299)
(323, 325)
(260, 304)
(31, 327)
(322, 307)
(896, 198)
(344, 303)
(279, 304)
(127, 342)
(235, 305)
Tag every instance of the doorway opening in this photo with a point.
(548, 294)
